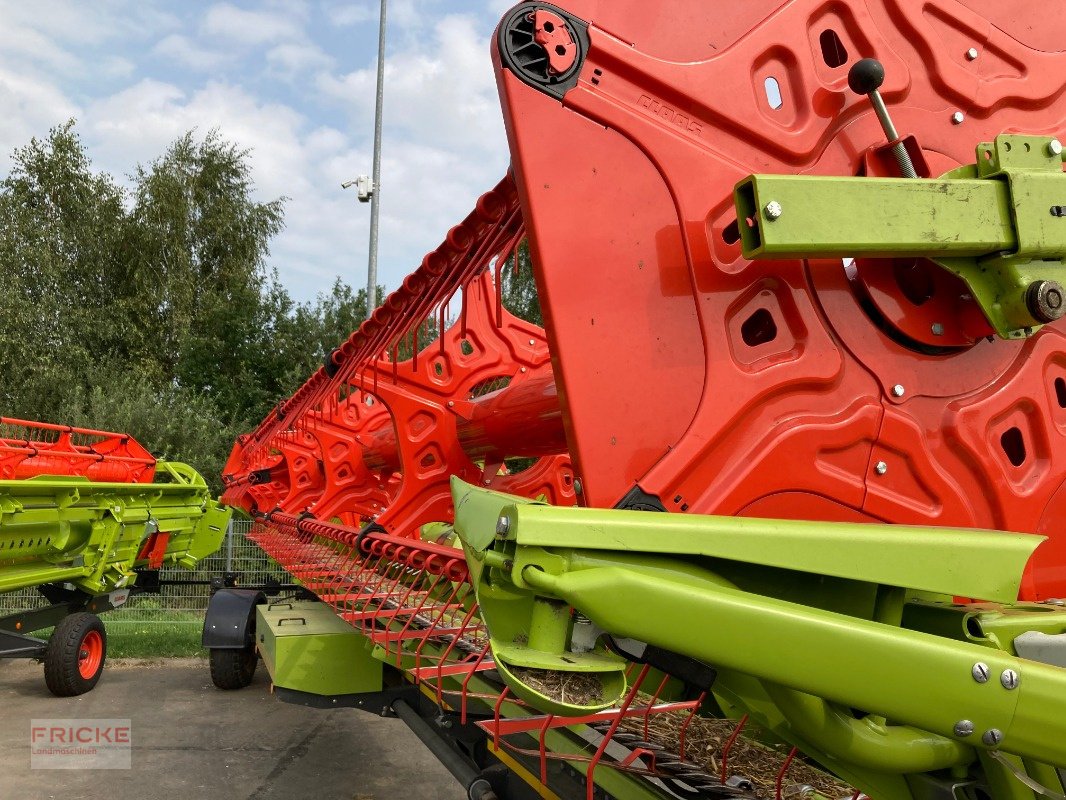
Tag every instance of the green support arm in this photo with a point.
(998, 224)
(799, 607)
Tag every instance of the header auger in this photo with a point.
(801, 268)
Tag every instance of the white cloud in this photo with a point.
(226, 21)
(288, 158)
(31, 107)
(78, 22)
(294, 59)
(353, 14)
(447, 89)
(138, 74)
(23, 46)
(444, 143)
(189, 54)
(116, 67)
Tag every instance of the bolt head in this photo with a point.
(958, 118)
(992, 737)
(1054, 148)
(980, 672)
(937, 329)
(773, 210)
(971, 54)
(963, 728)
(880, 467)
(1009, 679)
(898, 390)
(1046, 300)
(503, 524)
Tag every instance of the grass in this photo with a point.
(176, 638)
(158, 634)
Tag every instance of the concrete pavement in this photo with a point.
(191, 740)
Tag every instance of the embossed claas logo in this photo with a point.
(667, 114)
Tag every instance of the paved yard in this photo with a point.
(192, 740)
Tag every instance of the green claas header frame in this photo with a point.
(802, 621)
(86, 545)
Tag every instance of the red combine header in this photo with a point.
(801, 269)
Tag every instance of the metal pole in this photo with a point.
(229, 546)
(375, 198)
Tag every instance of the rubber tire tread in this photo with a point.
(61, 673)
(232, 669)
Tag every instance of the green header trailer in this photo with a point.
(89, 521)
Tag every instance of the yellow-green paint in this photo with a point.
(308, 648)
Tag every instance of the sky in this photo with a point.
(292, 81)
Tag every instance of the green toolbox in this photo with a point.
(308, 648)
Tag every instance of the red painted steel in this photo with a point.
(29, 449)
(376, 436)
(668, 361)
(733, 387)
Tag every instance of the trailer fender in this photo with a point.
(230, 620)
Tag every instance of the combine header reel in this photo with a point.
(801, 268)
(88, 518)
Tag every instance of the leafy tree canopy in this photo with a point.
(150, 309)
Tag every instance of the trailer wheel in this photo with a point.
(74, 657)
(232, 668)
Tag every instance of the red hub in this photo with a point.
(90, 654)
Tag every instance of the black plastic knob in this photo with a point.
(866, 76)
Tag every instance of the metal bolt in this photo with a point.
(773, 210)
(1055, 601)
(1054, 148)
(937, 329)
(980, 672)
(898, 390)
(1045, 300)
(503, 524)
(992, 737)
(532, 342)
(971, 54)
(1009, 678)
(963, 727)
(881, 468)
(958, 118)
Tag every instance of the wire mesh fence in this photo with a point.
(181, 603)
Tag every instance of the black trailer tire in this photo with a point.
(75, 655)
(231, 668)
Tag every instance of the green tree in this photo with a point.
(199, 243)
(60, 254)
(519, 289)
(151, 310)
